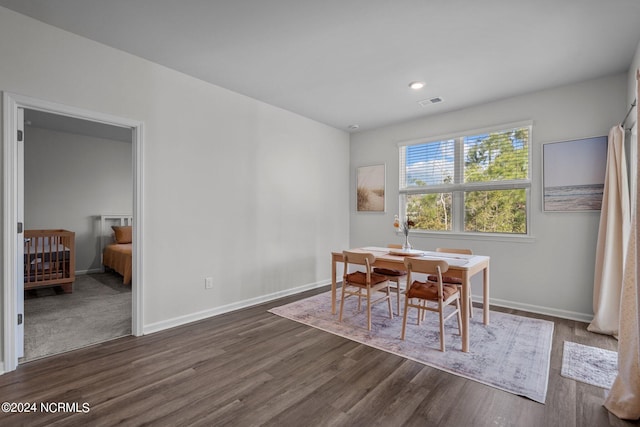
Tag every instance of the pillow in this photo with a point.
(122, 234)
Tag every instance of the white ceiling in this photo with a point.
(344, 62)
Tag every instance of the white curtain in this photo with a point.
(613, 236)
(624, 398)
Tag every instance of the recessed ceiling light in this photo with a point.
(354, 127)
(416, 85)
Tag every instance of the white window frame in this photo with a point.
(458, 188)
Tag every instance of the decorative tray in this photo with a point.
(406, 252)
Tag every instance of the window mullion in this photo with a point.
(459, 161)
(457, 208)
(458, 211)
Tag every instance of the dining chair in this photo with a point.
(363, 283)
(450, 280)
(430, 292)
(395, 276)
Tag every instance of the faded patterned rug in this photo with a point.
(591, 365)
(511, 353)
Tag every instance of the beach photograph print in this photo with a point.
(573, 174)
(370, 188)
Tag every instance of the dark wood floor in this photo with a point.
(251, 368)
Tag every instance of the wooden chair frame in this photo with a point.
(366, 260)
(463, 251)
(430, 267)
(397, 279)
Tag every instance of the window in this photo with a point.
(475, 183)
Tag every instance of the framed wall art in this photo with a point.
(573, 174)
(370, 188)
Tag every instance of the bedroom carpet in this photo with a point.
(512, 353)
(591, 365)
(99, 309)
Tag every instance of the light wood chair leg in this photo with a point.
(422, 313)
(441, 328)
(398, 295)
(404, 318)
(369, 308)
(341, 303)
(459, 317)
(389, 302)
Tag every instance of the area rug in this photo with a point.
(98, 310)
(512, 353)
(591, 365)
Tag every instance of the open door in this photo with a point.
(20, 242)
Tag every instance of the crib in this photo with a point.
(49, 259)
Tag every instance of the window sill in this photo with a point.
(494, 237)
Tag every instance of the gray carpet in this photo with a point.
(512, 353)
(591, 365)
(99, 309)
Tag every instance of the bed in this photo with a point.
(49, 259)
(116, 238)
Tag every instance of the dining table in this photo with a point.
(462, 266)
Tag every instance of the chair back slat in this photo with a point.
(427, 266)
(362, 258)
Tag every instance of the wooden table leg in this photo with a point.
(466, 290)
(485, 295)
(333, 284)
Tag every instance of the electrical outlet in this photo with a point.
(208, 282)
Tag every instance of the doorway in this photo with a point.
(75, 171)
(14, 106)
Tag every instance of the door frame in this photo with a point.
(10, 103)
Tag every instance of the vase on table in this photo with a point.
(406, 245)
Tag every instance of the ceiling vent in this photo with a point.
(426, 102)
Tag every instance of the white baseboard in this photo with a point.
(563, 314)
(193, 317)
(182, 320)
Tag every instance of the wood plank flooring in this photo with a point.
(252, 368)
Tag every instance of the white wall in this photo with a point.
(236, 189)
(69, 180)
(553, 272)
